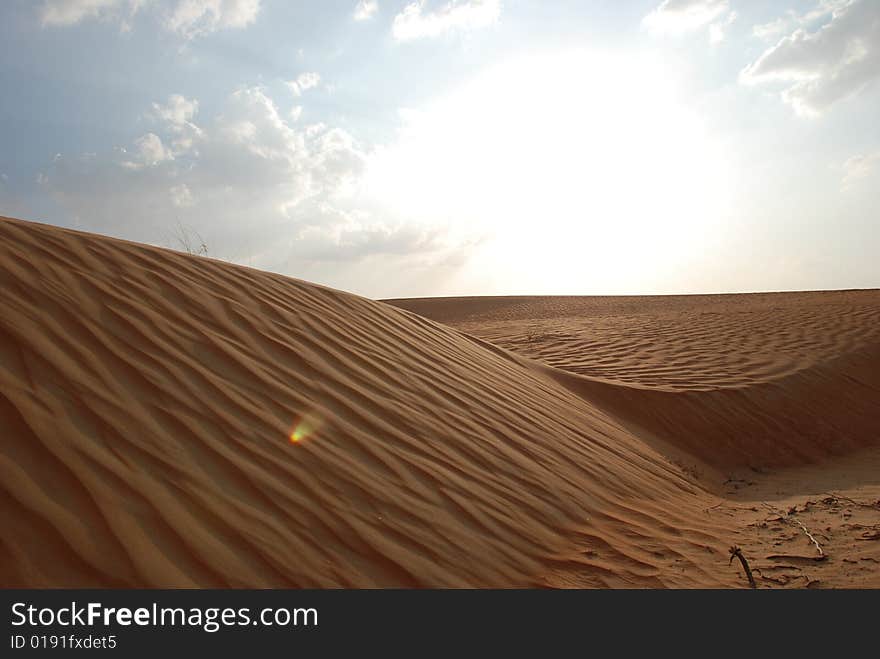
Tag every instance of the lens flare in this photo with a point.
(304, 427)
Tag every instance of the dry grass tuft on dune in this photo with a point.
(175, 421)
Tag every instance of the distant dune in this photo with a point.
(771, 379)
(175, 421)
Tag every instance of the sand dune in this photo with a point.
(760, 397)
(690, 342)
(176, 421)
(759, 380)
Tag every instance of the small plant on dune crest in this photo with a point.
(188, 240)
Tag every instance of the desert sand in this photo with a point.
(175, 421)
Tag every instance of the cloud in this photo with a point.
(716, 30)
(180, 195)
(178, 111)
(175, 117)
(186, 18)
(365, 10)
(192, 18)
(415, 22)
(254, 186)
(149, 151)
(334, 235)
(772, 30)
(825, 65)
(681, 16)
(859, 167)
(304, 82)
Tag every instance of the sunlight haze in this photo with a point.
(459, 147)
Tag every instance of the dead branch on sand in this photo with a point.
(810, 536)
(803, 528)
(737, 552)
(860, 504)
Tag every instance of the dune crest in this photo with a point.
(149, 399)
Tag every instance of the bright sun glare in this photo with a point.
(616, 157)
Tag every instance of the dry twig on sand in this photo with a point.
(737, 552)
(860, 504)
(810, 536)
(788, 519)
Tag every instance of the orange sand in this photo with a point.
(175, 421)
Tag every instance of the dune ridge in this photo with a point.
(149, 396)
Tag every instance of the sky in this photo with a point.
(459, 147)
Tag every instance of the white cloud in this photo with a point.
(365, 10)
(176, 116)
(716, 30)
(191, 18)
(822, 66)
(773, 29)
(415, 22)
(187, 18)
(256, 187)
(295, 112)
(304, 82)
(860, 167)
(181, 196)
(151, 151)
(336, 235)
(680, 16)
(178, 111)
